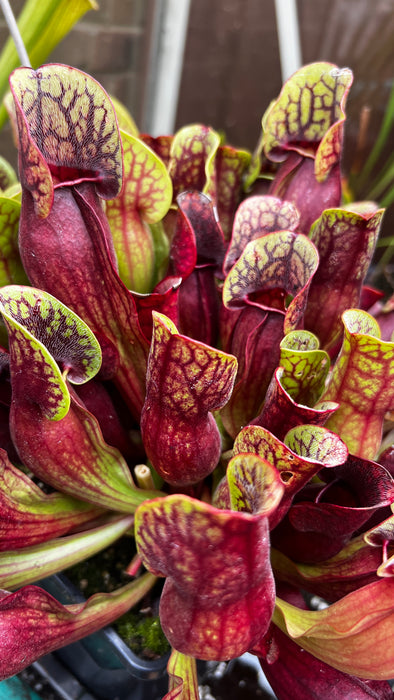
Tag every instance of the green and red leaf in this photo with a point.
(308, 116)
(219, 593)
(37, 325)
(8, 177)
(354, 566)
(192, 160)
(231, 165)
(11, 269)
(271, 268)
(197, 213)
(346, 242)
(33, 563)
(71, 455)
(305, 367)
(29, 516)
(382, 536)
(297, 385)
(329, 514)
(294, 673)
(253, 335)
(281, 411)
(161, 145)
(183, 680)
(186, 380)
(307, 450)
(67, 130)
(254, 485)
(70, 151)
(256, 216)
(145, 199)
(56, 437)
(42, 27)
(303, 128)
(362, 382)
(33, 623)
(74, 241)
(196, 254)
(344, 634)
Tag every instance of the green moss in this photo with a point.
(141, 629)
(143, 635)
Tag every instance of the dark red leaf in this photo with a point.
(218, 598)
(294, 673)
(186, 380)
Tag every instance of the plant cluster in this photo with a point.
(190, 359)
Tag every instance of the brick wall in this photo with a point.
(111, 45)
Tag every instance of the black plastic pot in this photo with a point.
(102, 662)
